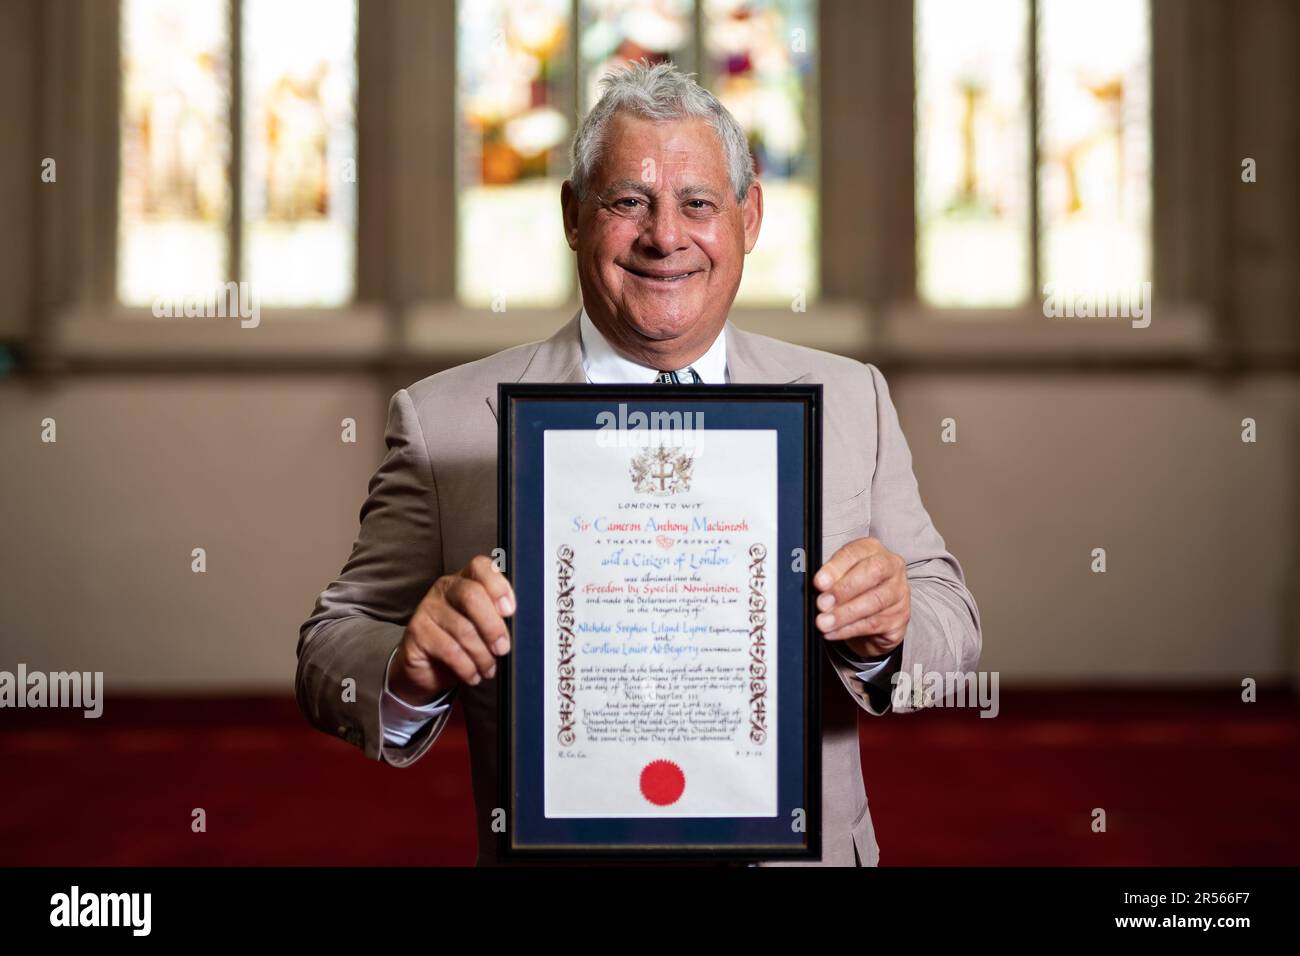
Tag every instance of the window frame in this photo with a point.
(405, 312)
(1186, 251)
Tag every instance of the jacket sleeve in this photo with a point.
(943, 634)
(359, 618)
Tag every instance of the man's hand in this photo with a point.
(865, 600)
(457, 633)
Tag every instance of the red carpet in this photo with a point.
(1185, 778)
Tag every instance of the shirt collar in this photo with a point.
(605, 366)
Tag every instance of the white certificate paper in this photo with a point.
(660, 664)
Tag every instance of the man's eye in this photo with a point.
(627, 202)
(698, 203)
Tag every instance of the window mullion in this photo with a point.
(1035, 263)
(575, 61)
(234, 223)
(697, 41)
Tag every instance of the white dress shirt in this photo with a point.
(603, 366)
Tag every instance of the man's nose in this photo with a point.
(663, 230)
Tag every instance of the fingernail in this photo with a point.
(826, 601)
(822, 580)
(824, 621)
(475, 681)
(492, 672)
(506, 605)
(502, 646)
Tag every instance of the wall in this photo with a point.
(100, 525)
(1198, 527)
(1201, 531)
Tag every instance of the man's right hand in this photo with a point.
(456, 634)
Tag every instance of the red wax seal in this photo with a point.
(662, 782)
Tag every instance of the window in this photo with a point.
(275, 205)
(1094, 136)
(299, 150)
(1031, 170)
(514, 100)
(758, 61)
(528, 68)
(615, 31)
(174, 191)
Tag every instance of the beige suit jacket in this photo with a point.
(432, 506)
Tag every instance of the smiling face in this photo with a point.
(661, 239)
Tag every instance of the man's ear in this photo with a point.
(570, 205)
(751, 214)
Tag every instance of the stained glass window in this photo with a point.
(972, 152)
(1094, 144)
(514, 102)
(520, 94)
(758, 60)
(174, 189)
(976, 129)
(616, 31)
(297, 171)
(299, 163)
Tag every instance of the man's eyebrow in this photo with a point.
(698, 189)
(647, 189)
(628, 185)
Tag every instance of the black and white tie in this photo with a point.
(686, 376)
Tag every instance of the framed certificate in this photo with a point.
(662, 695)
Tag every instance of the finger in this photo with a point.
(472, 600)
(888, 625)
(436, 644)
(465, 634)
(890, 620)
(883, 635)
(866, 605)
(843, 559)
(862, 577)
(482, 570)
(877, 645)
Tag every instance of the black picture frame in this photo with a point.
(525, 411)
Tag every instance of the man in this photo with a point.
(661, 208)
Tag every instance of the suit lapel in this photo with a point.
(751, 362)
(557, 359)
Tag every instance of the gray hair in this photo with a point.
(660, 92)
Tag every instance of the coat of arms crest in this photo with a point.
(662, 471)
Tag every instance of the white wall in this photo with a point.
(96, 567)
(1199, 529)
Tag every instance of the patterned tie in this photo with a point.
(689, 377)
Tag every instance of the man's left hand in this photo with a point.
(866, 600)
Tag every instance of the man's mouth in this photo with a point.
(665, 276)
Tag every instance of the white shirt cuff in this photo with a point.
(870, 671)
(399, 720)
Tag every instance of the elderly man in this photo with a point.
(661, 208)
